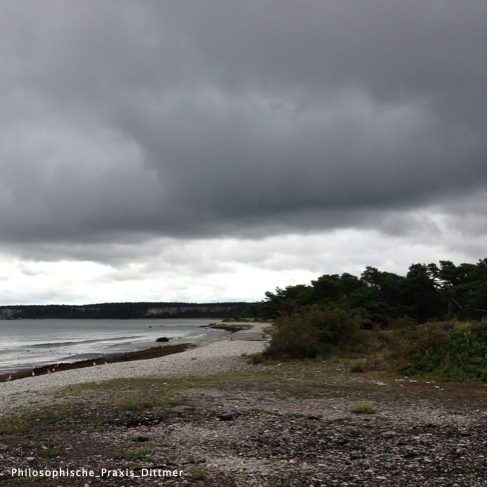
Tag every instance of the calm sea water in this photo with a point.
(26, 344)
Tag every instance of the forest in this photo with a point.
(124, 310)
(427, 292)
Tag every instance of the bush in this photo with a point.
(358, 367)
(445, 350)
(402, 323)
(313, 332)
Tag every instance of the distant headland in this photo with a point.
(129, 310)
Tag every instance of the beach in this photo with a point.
(207, 357)
(31, 344)
(213, 418)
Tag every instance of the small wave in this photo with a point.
(74, 343)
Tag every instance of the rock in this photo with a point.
(226, 417)
(410, 455)
(162, 339)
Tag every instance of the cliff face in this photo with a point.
(123, 311)
(189, 309)
(8, 313)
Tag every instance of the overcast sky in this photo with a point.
(201, 150)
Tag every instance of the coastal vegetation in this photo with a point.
(430, 322)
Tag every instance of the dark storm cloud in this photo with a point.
(227, 117)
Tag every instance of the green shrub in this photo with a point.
(256, 358)
(313, 332)
(446, 351)
(358, 367)
(402, 323)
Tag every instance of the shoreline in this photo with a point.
(96, 359)
(212, 356)
(151, 353)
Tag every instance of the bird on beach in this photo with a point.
(9, 378)
(33, 374)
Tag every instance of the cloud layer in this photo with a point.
(125, 123)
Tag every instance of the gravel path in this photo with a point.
(208, 357)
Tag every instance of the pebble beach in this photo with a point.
(208, 357)
(293, 424)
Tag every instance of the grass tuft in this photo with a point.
(132, 454)
(13, 426)
(133, 404)
(296, 415)
(51, 450)
(199, 474)
(363, 407)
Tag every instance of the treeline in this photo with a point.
(430, 291)
(430, 322)
(137, 310)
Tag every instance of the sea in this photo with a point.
(26, 344)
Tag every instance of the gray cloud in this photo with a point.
(125, 121)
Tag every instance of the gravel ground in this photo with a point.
(272, 425)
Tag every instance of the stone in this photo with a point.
(226, 417)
